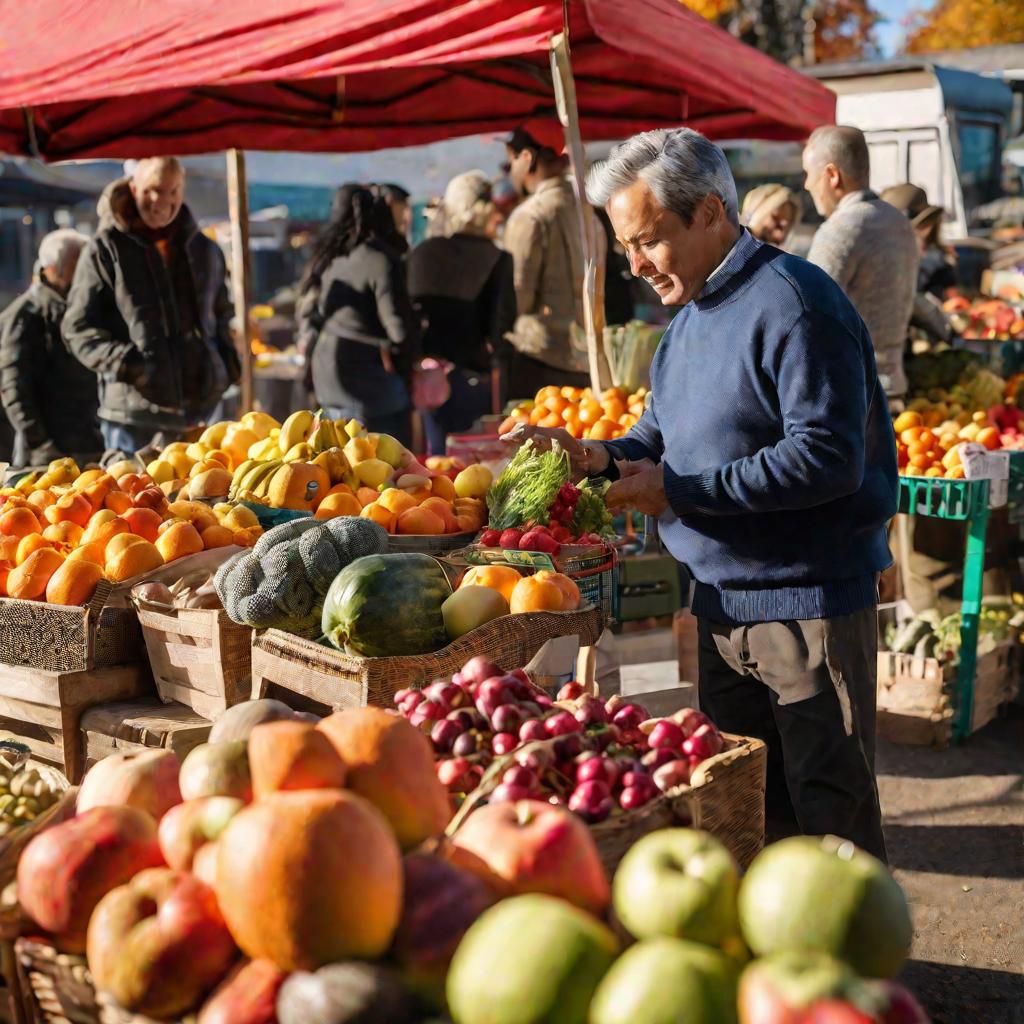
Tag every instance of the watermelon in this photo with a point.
(380, 606)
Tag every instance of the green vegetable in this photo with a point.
(591, 514)
(525, 490)
(381, 606)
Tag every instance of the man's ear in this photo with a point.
(833, 176)
(713, 211)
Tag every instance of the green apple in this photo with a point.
(825, 895)
(529, 960)
(667, 981)
(678, 882)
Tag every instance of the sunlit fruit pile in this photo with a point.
(921, 451)
(984, 318)
(63, 531)
(580, 412)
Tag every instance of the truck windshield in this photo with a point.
(977, 154)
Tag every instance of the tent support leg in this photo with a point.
(238, 205)
(593, 263)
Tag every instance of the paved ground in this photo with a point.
(954, 824)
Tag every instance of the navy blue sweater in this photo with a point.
(778, 450)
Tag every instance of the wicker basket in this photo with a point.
(200, 658)
(429, 544)
(111, 1013)
(60, 638)
(725, 797)
(56, 986)
(315, 677)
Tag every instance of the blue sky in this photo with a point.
(890, 32)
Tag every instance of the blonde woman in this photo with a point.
(463, 286)
(771, 212)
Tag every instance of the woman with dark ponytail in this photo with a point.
(357, 326)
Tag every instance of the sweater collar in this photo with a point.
(863, 195)
(731, 272)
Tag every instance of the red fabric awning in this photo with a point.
(91, 78)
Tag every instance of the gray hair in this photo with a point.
(57, 248)
(163, 166)
(680, 166)
(845, 147)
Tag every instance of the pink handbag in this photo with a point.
(430, 387)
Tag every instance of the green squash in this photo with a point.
(381, 606)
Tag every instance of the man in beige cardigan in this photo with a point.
(865, 245)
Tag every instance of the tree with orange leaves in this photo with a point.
(961, 24)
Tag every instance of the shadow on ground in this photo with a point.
(966, 995)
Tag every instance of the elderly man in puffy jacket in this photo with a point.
(149, 311)
(48, 396)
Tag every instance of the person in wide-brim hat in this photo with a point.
(937, 270)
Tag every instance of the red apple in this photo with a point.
(570, 691)
(704, 743)
(535, 847)
(507, 793)
(592, 801)
(562, 723)
(690, 720)
(665, 735)
(598, 768)
(629, 716)
(477, 669)
(504, 743)
(159, 943)
(66, 870)
(146, 779)
(193, 824)
(532, 730)
(248, 995)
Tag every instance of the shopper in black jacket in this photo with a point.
(464, 287)
(49, 396)
(356, 323)
(149, 311)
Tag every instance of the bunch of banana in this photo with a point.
(250, 476)
(24, 795)
(266, 449)
(295, 429)
(324, 435)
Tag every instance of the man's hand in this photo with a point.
(587, 457)
(643, 490)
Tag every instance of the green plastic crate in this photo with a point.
(944, 499)
(1015, 491)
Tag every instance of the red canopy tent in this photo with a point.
(90, 78)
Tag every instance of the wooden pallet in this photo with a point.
(44, 709)
(118, 727)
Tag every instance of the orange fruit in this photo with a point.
(105, 530)
(9, 549)
(989, 437)
(28, 581)
(338, 504)
(906, 420)
(117, 501)
(379, 514)
(19, 522)
(65, 534)
(548, 391)
(217, 537)
(536, 595)
(920, 461)
(502, 578)
(956, 473)
(396, 501)
(145, 523)
(555, 403)
(570, 592)
(614, 408)
(367, 496)
(911, 434)
(444, 511)
(442, 487)
(74, 507)
(133, 560)
(590, 412)
(551, 420)
(93, 552)
(116, 545)
(180, 540)
(926, 437)
(603, 430)
(537, 414)
(73, 583)
(28, 544)
(933, 471)
(420, 521)
(40, 499)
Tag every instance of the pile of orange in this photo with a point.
(580, 412)
(922, 451)
(59, 540)
(544, 591)
(431, 507)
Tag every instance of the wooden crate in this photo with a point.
(915, 695)
(44, 709)
(312, 677)
(118, 727)
(199, 657)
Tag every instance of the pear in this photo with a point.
(372, 472)
(390, 450)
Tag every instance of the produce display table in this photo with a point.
(965, 501)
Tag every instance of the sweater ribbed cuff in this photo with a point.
(687, 494)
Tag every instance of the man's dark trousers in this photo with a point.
(807, 688)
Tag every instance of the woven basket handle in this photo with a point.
(586, 670)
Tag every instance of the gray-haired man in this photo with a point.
(767, 453)
(865, 245)
(49, 397)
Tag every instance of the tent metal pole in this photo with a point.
(238, 206)
(593, 260)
